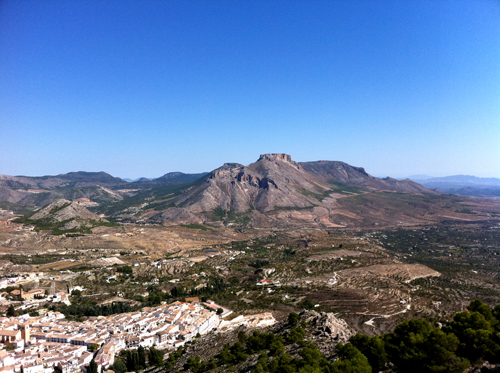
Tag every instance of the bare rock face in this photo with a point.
(328, 325)
(285, 191)
(62, 210)
(276, 157)
(272, 182)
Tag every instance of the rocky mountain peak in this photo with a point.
(276, 157)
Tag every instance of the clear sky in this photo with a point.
(142, 88)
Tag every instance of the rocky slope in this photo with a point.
(275, 186)
(325, 330)
(69, 180)
(41, 197)
(272, 182)
(340, 172)
(63, 215)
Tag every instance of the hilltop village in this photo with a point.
(40, 344)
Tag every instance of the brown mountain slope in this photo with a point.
(275, 189)
(63, 215)
(340, 172)
(272, 182)
(69, 180)
(62, 210)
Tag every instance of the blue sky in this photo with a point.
(141, 88)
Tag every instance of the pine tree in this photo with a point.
(141, 357)
(93, 367)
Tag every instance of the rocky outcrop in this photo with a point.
(329, 326)
(63, 215)
(62, 210)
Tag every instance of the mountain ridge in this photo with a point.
(274, 184)
(272, 191)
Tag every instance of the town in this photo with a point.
(42, 344)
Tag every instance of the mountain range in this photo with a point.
(462, 184)
(274, 191)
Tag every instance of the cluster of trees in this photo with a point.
(214, 285)
(274, 358)
(95, 309)
(154, 298)
(418, 346)
(127, 270)
(136, 360)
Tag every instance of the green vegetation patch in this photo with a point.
(56, 227)
(196, 226)
(343, 188)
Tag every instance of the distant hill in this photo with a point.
(69, 180)
(171, 178)
(99, 187)
(138, 179)
(465, 180)
(357, 176)
(63, 216)
(43, 197)
(180, 177)
(418, 177)
(465, 185)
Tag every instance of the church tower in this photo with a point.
(25, 333)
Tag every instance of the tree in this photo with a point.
(293, 319)
(372, 348)
(93, 368)
(350, 360)
(416, 346)
(242, 336)
(141, 357)
(478, 306)
(476, 335)
(119, 366)
(194, 364)
(155, 357)
(11, 311)
(94, 347)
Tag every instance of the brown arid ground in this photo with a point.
(345, 271)
(152, 242)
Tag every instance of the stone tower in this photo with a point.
(25, 333)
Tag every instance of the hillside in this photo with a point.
(69, 180)
(63, 216)
(42, 197)
(275, 190)
(340, 172)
